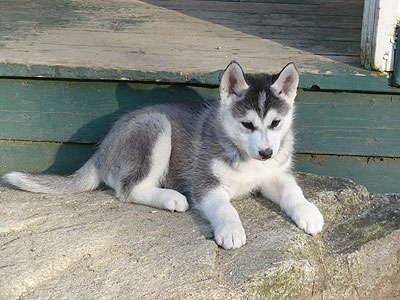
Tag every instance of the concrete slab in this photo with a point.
(91, 246)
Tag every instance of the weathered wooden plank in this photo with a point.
(97, 39)
(67, 72)
(326, 77)
(76, 111)
(346, 78)
(268, 18)
(315, 2)
(195, 53)
(321, 8)
(82, 112)
(348, 123)
(57, 158)
(378, 174)
(324, 46)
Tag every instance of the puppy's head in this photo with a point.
(256, 109)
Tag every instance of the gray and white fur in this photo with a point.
(212, 153)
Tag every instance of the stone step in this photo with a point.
(91, 246)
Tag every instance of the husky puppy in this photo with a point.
(210, 153)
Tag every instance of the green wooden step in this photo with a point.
(361, 124)
(325, 76)
(378, 174)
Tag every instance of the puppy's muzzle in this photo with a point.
(265, 154)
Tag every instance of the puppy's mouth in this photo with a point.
(259, 158)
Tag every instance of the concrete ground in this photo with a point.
(91, 246)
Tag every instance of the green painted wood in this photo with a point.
(83, 111)
(59, 158)
(379, 175)
(343, 77)
(348, 123)
(78, 111)
(333, 76)
(67, 72)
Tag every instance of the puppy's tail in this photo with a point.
(85, 179)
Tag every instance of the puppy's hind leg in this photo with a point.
(147, 191)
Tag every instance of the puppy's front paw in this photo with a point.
(230, 235)
(307, 216)
(174, 201)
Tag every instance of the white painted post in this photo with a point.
(380, 20)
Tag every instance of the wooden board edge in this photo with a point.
(335, 76)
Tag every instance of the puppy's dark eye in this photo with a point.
(275, 123)
(248, 125)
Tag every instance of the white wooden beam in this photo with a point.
(380, 20)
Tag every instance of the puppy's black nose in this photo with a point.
(265, 154)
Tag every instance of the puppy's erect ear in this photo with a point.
(285, 86)
(233, 85)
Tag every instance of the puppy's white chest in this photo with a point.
(242, 179)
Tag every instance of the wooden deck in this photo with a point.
(184, 40)
(180, 36)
